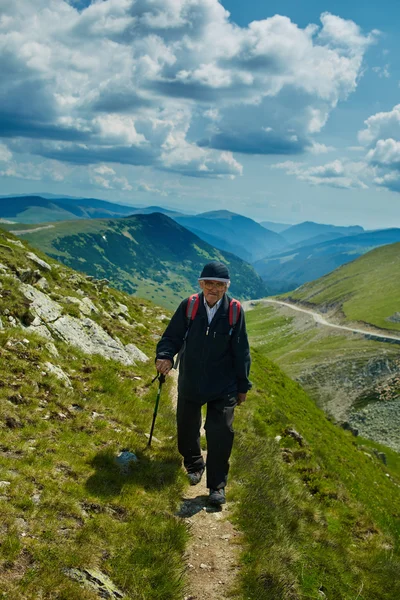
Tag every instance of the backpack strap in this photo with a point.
(192, 307)
(234, 313)
(191, 311)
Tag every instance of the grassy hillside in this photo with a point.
(319, 512)
(64, 503)
(150, 256)
(344, 373)
(365, 291)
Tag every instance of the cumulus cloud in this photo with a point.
(130, 81)
(382, 138)
(5, 154)
(338, 173)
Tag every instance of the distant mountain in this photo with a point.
(309, 229)
(49, 207)
(36, 209)
(151, 256)
(366, 290)
(277, 227)
(148, 210)
(290, 269)
(234, 233)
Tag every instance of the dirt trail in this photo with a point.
(372, 333)
(21, 231)
(212, 553)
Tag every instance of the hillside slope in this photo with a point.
(151, 256)
(366, 290)
(76, 390)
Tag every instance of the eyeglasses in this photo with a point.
(210, 284)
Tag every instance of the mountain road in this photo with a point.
(383, 337)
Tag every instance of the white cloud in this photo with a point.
(128, 81)
(5, 154)
(385, 153)
(317, 148)
(382, 136)
(382, 125)
(338, 173)
(382, 71)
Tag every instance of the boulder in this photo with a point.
(39, 261)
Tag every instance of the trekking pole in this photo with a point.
(161, 379)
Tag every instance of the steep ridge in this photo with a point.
(365, 291)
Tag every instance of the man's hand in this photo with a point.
(163, 365)
(241, 398)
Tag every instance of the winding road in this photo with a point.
(320, 319)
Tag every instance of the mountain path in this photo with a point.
(21, 231)
(320, 319)
(212, 553)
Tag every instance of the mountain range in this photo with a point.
(285, 258)
(290, 269)
(149, 255)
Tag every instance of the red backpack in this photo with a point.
(191, 311)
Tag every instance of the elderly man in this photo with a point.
(214, 370)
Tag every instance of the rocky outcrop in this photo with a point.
(379, 421)
(82, 333)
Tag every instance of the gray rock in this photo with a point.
(51, 347)
(59, 373)
(39, 261)
(90, 338)
(41, 305)
(136, 354)
(125, 460)
(82, 333)
(123, 309)
(40, 330)
(16, 243)
(394, 318)
(43, 284)
(96, 580)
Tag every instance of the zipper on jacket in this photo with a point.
(208, 329)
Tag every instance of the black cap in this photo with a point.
(215, 270)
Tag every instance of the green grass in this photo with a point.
(322, 516)
(325, 520)
(297, 350)
(366, 290)
(67, 504)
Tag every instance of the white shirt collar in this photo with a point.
(211, 310)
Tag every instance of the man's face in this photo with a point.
(213, 290)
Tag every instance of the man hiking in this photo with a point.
(208, 331)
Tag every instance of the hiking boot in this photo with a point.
(217, 497)
(195, 477)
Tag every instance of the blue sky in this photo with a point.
(284, 111)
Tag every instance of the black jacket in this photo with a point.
(213, 363)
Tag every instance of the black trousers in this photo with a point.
(219, 435)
